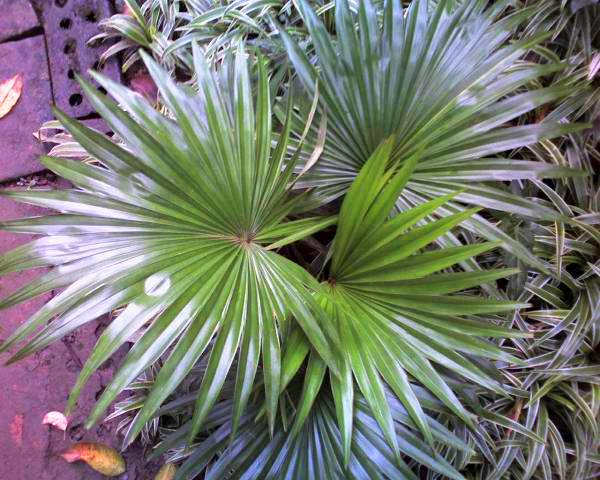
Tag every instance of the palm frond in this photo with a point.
(313, 450)
(393, 315)
(176, 227)
(442, 80)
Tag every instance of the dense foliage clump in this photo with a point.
(349, 239)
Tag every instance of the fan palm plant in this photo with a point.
(380, 287)
(177, 228)
(395, 321)
(433, 76)
(181, 227)
(363, 338)
(313, 451)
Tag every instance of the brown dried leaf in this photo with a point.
(56, 419)
(101, 458)
(167, 472)
(10, 92)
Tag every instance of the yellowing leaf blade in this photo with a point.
(101, 458)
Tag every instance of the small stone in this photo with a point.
(56, 419)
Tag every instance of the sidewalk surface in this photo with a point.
(45, 40)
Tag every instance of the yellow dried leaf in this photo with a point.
(101, 458)
(167, 472)
(56, 419)
(10, 92)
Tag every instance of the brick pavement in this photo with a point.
(30, 388)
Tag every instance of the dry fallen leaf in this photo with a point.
(56, 419)
(101, 458)
(10, 91)
(167, 472)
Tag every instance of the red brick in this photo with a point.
(41, 383)
(19, 149)
(68, 26)
(17, 18)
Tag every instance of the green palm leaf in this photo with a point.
(177, 228)
(314, 450)
(441, 79)
(395, 320)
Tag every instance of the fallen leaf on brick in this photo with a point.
(101, 458)
(56, 419)
(10, 92)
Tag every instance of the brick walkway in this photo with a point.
(46, 42)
